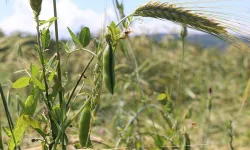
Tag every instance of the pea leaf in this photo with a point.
(85, 37)
(50, 21)
(74, 38)
(71, 46)
(114, 31)
(51, 76)
(38, 83)
(34, 70)
(162, 98)
(20, 125)
(46, 38)
(22, 82)
(65, 47)
(7, 131)
(34, 124)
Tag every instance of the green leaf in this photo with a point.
(52, 61)
(20, 126)
(85, 37)
(51, 76)
(56, 111)
(34, 124)
(19, 131)
(30, 103)
(74, 38)
(71, 45)
(65, 47)
(50, 21)
(162, 98)
(38, 83)
(45, 38)
(34, 70)
(7, 131)
(22, 82)
(114, 31)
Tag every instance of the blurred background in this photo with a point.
(213, 71)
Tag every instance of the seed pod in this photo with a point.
(36, 6)
(84, 127)
(109, 68)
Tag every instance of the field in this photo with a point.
(161, 99)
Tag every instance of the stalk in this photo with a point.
(41, 58)
(48, 104)
(79, 80)
(7, 112)
(230, 133)
(207, 119)
(62, 105)
(181, 69)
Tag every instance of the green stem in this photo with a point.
(230, 132)
(181, 70)
(79, 80)
(62, 106)
(10, 122)
(122, 20)
(41, 58)
(43, 70)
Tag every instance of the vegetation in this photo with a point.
(166, 94)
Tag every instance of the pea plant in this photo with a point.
(46, 85)
(42, 79)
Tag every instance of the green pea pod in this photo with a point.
(109, 68)
(84, 127)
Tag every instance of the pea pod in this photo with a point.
(84, 127)
(109, 68)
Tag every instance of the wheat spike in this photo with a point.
(186, 17)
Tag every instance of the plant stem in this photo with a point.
(230, 133)
(41, 58)
(58, 55)
(44, 72)
(122, 20)
(62, 106)
(79, 80)
(10, 122)
(181, 69)
(207, 121)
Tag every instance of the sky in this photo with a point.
(16, 15)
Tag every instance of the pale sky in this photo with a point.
(16, 15)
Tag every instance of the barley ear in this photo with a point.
(187, 17)
(170, 12)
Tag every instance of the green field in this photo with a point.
(160, 100)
